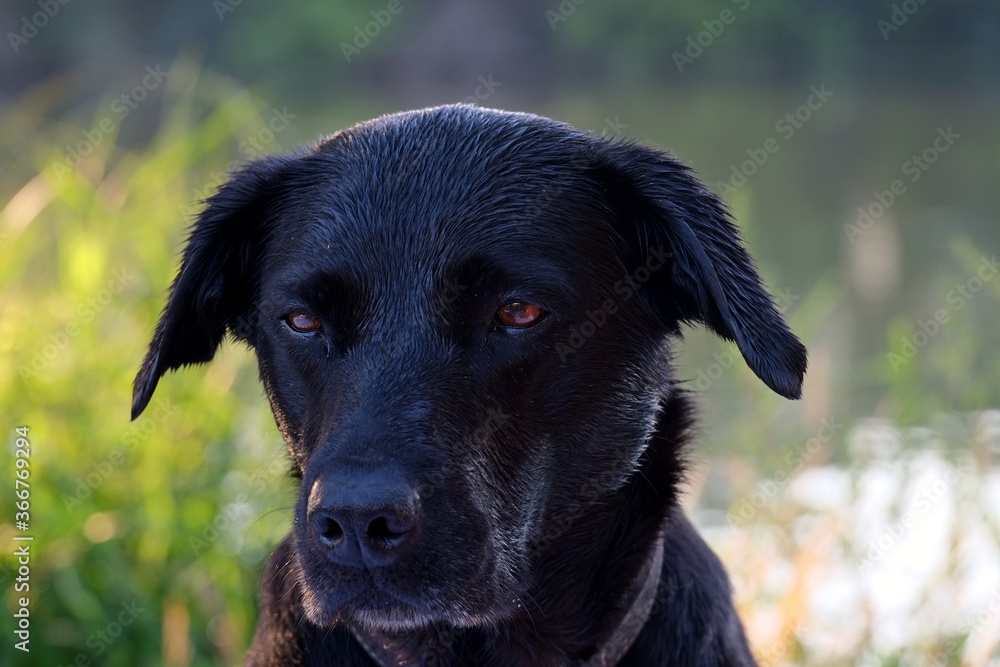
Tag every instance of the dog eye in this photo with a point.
(519, 314)
(302, 322)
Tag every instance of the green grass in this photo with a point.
(172, 512)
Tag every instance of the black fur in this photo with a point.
(477, 494)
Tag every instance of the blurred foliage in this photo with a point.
(175, 513)
(553, 46)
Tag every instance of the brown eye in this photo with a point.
(302, 322)
(519, 314)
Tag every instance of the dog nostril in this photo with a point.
(330, 531)
(381, 534)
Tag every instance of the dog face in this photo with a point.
(461, 317)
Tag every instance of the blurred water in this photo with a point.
(869, 212)
(875, 558)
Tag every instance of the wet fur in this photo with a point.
(547, 466)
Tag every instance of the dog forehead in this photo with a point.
(425, 189)
(434, 168)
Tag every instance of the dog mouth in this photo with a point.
(372, 609)
(379, 600)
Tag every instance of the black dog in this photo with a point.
(463, 320)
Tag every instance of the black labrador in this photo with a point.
(463, 321)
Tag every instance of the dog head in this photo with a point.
(459, 315)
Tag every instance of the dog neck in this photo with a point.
(633, 618)
(627, 618)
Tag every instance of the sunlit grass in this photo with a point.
(158, 512)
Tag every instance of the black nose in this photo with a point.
(363, 520)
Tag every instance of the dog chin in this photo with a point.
(395, 621)
(391, 620)
(377, 611)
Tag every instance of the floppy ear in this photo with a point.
(216, 281)
(710, 277)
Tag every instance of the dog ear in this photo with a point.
(216, 280)
(709, 276)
